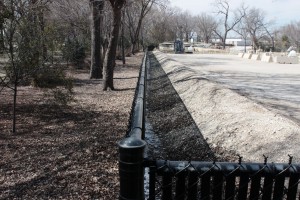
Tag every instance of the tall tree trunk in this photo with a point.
(123, 37)
(110, 57)
(1, 38)
(34, 33)
(136, 37)
(255, 43)
(142, 38)
(206, 39)
(42, 25)
(224, 40)
(96, 71)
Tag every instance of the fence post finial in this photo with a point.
(265, 159)
(290, 159)
(131, 170)
(240, 159)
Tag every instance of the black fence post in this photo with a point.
(192, 184)
(131, 170)
(152, 173)
(167, 184)
(180, 186)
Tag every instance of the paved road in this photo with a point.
(276, 86)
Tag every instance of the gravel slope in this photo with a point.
(232, 123)
(179, 136)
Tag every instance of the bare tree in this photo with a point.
(71, 19)
(206, 25)
(97, 8)
(242, 30)
(228, 22)
(271, 35)
(109, 61)
(256, 25)
(158, 18)
(185, 25)
(292, 31)
(23, 40)
(136, 12)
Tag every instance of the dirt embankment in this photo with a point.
(232, 124)
(179, 136)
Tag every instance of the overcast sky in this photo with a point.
(282, 11)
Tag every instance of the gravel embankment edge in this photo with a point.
(231, 122)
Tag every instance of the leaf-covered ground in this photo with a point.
(66, 152)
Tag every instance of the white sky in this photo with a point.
(282, 11)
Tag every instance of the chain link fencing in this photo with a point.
(183, 180)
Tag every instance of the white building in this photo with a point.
(234, 41)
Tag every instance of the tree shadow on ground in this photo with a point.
(180, 137)
(47, 149)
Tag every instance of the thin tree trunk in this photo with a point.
(16, 76)
(110, 57)
(15, 106)
(96, 40)
(123, 37)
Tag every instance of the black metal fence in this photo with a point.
(132, 147)
(182, 180)
(206, 180)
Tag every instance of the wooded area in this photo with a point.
(48, 46)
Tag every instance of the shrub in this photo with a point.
(59, 88)
(74, 52)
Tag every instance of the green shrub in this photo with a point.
(74, 52)
(58, 87)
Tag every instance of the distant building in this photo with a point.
(237, 42)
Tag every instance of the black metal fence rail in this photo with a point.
(132, 147)
(206, 180)
(183, 180)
